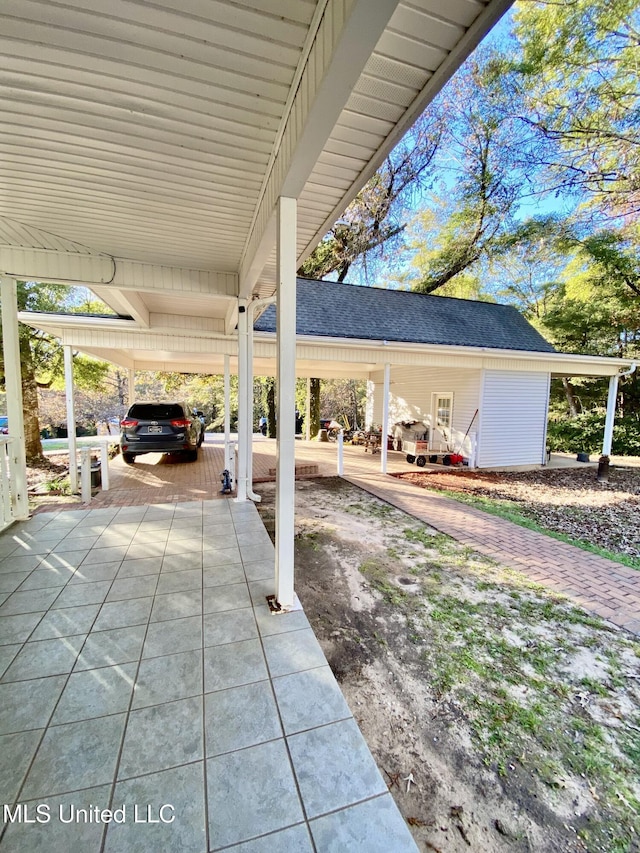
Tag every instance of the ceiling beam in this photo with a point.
(62, 266)
(128, 304)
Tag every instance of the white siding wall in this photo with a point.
(411, 396)
(513, 418)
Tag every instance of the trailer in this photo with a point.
(418, 452)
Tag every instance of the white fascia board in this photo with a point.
(136, 341)
(331, 64)
(167, 324)
(49, 322)
(560, 364)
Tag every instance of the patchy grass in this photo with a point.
(545, 691)
(546, 695)
(505, 650)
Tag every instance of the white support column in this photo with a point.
(611, 414)
(71, 418)
(307, 414)
(13, 387)
(132, 386)
(227, 401)
(249, 397)
(104, 465)
(385, 419)
(243, 420)
(286, 400)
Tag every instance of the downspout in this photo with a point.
(252, 307)
(603, 464)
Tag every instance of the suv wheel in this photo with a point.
(129, 458)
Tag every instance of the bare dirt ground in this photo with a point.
(568, 501)
(502, 717)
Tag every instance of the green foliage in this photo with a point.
(578, 79)
(584, 434)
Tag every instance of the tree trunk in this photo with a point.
(271, 408)
(33, 445)
(314, 407)
(572, 401)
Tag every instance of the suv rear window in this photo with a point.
(156, 411)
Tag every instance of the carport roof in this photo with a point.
(145, 145)
(339, 310)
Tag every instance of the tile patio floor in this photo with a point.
(140, 667)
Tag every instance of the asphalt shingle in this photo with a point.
(338, 310)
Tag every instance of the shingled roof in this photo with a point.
(336, 310)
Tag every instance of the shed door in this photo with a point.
(441, 421)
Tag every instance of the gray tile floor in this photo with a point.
(142, 672)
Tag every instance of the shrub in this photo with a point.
(586, 432)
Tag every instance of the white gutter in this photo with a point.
(38, 319)
(445, 349)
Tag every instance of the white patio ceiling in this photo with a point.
(144, 145)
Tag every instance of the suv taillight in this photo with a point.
(128, 422)
(181, 422)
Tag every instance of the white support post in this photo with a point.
(85, 474)
(229, 450)
(13, 387)
(249, 451)
(340, 453)
(132, 386)
(286, 400)
(243, 418)
(227, 401)
(307, 414)
(611, 413)
(385, 418)
(71, 418)
(104, 465)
